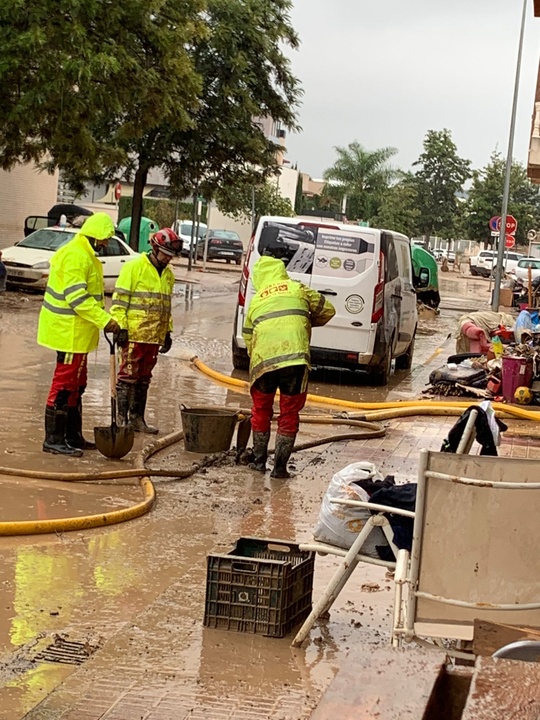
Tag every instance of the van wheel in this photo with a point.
(404, 362)
(240, 357)
(474, 271)
(381, 373)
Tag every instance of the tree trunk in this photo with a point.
(427, 236)
(141, 176)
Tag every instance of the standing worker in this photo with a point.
(142, 306)
(277, 333)
(71, 317)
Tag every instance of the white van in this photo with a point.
(365, 273)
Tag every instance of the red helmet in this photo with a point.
(167, 241)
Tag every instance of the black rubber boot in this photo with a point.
(74, 436)
(260, 451)
(282, 453)
(55, 432)
(124, 395)
(137, 410)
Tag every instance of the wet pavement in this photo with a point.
(132, 595)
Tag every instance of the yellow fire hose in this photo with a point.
(373, 409)
(370, 414)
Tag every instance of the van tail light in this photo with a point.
(378, 294)
(245, 274)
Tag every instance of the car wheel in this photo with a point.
(239, 261)
(228, 262)
(404, 362)
(240, 357)
(474, 271)
(381, 373)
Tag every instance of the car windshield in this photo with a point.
(223, 235)
(46, 239)
(185, 229)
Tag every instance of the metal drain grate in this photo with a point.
(66, 652)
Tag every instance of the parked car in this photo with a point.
(28, 261)
(183, 229)
(484, 263)
(521, 271)
(222, 245)
(366, 274)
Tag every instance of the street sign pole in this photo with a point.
(506, 192)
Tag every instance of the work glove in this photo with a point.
(121, 338)
(167, 344)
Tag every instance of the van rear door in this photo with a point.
(345, 271)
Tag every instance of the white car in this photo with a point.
(183, 229)
(28, 262)
(522, 269)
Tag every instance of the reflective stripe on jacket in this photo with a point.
(142, 301)
(73, 312)
(277, 329)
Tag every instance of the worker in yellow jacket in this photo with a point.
(277, 333)
(142, 306)
(71, 317)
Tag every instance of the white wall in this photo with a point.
(23, 191)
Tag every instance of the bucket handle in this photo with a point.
(240, 414)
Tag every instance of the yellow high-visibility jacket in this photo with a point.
(277, 329)
(142, 301)
(73, 311)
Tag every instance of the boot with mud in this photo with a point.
(55, 433)
(74, 436)
(260, 451)
(137, 410)
(124, 395)
(282, 453)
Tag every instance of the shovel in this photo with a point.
(243, 434)
(113, 441)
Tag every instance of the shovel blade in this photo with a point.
(114, 441)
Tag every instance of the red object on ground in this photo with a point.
(516, 372)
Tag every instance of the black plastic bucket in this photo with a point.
(208, 430)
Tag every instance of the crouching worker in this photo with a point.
(277, 333)
(142, 307)
(71, 317)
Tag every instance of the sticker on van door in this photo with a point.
(342, 253)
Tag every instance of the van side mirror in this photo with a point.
(423, 278)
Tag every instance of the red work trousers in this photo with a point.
(137, 362)
(292, 384)
(69, 380)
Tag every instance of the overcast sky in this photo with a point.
(384, 72)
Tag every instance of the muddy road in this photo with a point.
(132, 595)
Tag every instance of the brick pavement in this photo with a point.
(164, 666)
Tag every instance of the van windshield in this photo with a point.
(301, 247)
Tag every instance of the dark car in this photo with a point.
(222, 245)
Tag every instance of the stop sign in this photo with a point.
(511, 224)
(118, 191)
(509, 241)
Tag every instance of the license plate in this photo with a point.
(16, 273)
(225, 252)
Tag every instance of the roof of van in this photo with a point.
(327, 222)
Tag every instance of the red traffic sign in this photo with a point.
(493, 226)
(118, 191)
(511, 224)
(509, 241)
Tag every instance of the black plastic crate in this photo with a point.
(260, 586)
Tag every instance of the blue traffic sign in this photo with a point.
(493, 223)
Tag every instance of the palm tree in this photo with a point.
(361, 177)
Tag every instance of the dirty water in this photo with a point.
(137, 589)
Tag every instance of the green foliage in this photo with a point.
(438, 181)
(236, 201)
(363, 176)
(399, 208)
(113, 90)
(161, 210)
(485, 200)
(299, 197)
